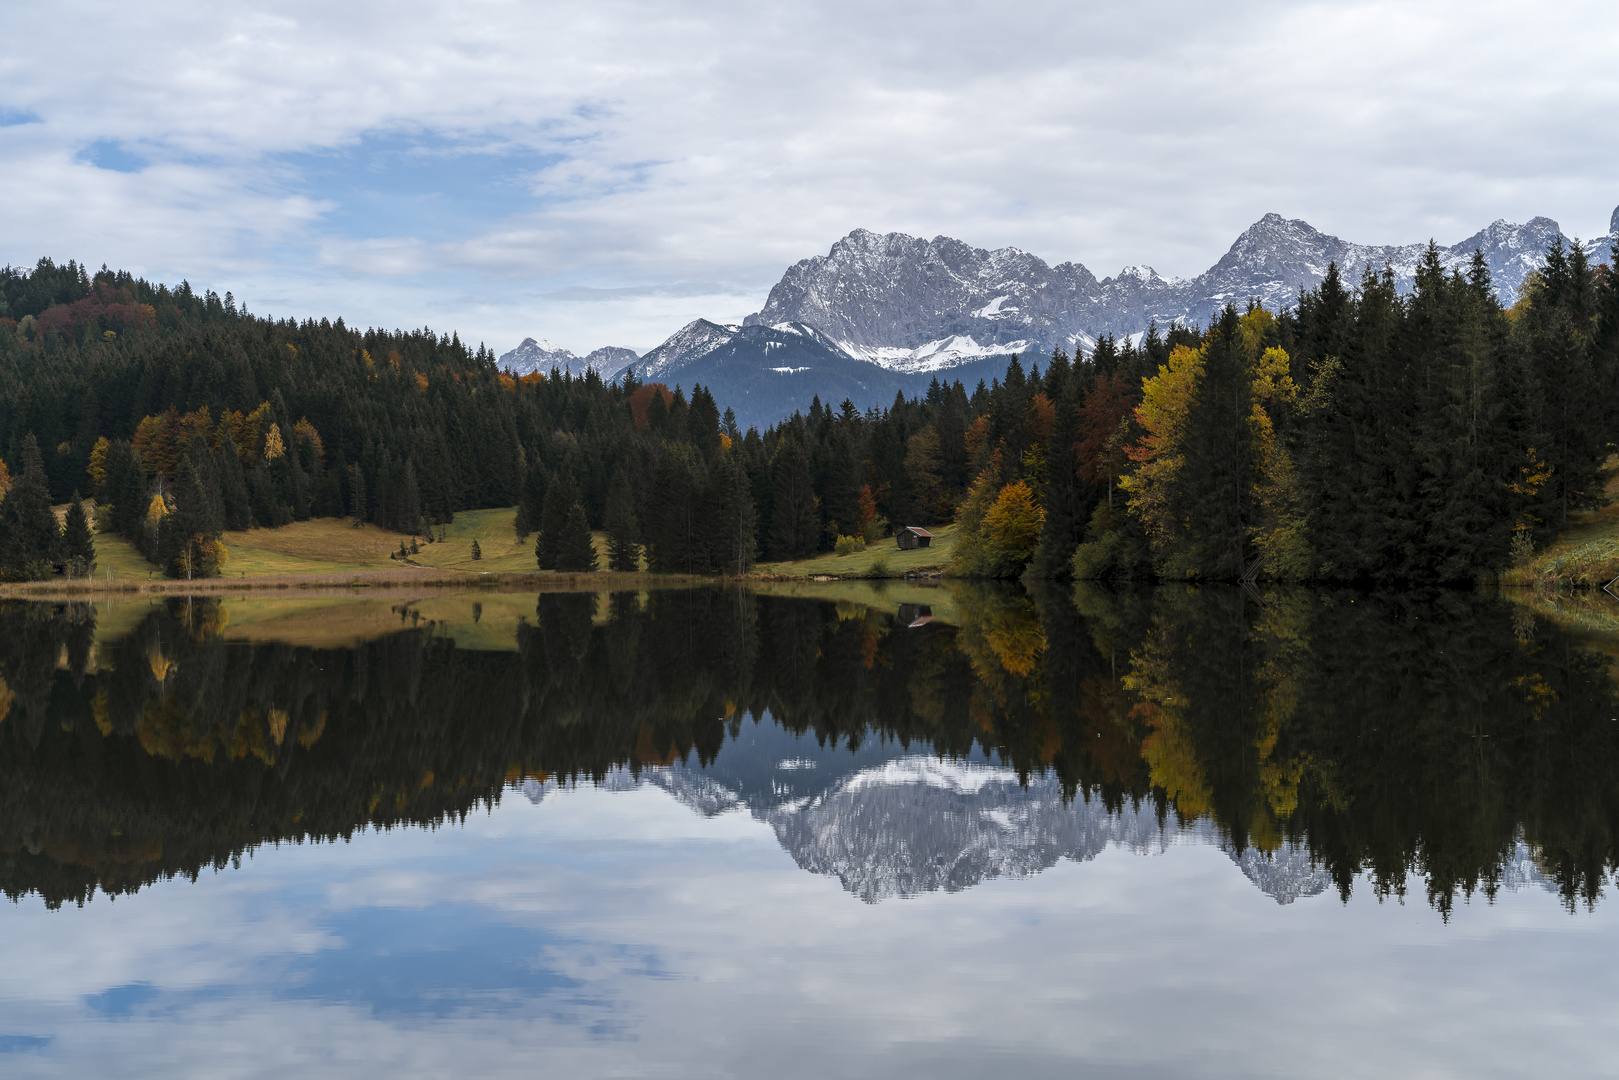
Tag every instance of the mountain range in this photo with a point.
(886, 313)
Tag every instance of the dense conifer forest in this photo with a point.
(1363, 435)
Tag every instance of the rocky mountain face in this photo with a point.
(542, 356)
(767, 372)
(928, 305)
(887, 313)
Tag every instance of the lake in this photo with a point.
(818, 830)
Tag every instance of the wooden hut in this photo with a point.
(912, 537)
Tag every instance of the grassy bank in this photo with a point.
(334, 554)
(881, 560)
(1584, 555)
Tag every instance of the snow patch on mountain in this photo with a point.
(540, 355)
(914, 305)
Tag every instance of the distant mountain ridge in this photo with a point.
(882, 314)
(541, 355)
(914, 305)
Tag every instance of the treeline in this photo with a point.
(1364, 435)
(1390, 734)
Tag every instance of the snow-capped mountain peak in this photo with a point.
(541, 355)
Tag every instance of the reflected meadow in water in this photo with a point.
(629, 793)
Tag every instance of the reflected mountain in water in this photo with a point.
(888, 823)
(1347, 740)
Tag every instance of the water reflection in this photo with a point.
(905, 742)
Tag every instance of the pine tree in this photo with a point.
(357, 502)
(561, 496)
(188, 544)
(732, 525)
(675, 532)
(477, 552)
(576, 553)
(238, 506)
(29, 538)
(531, 501)
(78, 546)
(1066, 501)
(794, 520)
(623, 533)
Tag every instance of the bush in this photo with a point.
(849, 545)
(879, 565)
(477, 552)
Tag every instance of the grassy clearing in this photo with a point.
(320, 546)
(866, 564)
(117, 560)
(1585, 555)
(502, 552)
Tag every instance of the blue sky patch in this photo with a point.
(113, 155)
(431, 187)
(22, 1044)
(17, 117)
(120, 1001)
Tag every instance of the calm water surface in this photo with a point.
(856, 833)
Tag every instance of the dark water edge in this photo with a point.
(1458, 740)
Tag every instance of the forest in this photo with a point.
(1363, 435)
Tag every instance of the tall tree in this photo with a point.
(623, 531)
(78, 546)
(561, 496)
(794, 522)
(29, 538)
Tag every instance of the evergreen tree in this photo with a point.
(623, 532)
(675, 521)
(409, 519)
(576, 554)
(794, 521)
(78, 546)
(188, 543)
(1067, 502)
(733, 525)
(29, 538)
(357, 501)
(238, 506)
(561, 496)
(531, 501)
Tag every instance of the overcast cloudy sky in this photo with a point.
(602, 173)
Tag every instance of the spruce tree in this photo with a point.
(531, 501)
(1067, 502)
(29, 538)
(732, 523)
(674, 530)
(357, 502)
(78, 546)
(1215, 484)
(233, 494)
(794, 521)
(561, 496)
(623, 533)
(576, 554)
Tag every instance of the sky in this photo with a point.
(601, 174)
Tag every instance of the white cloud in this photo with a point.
(720, 142)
